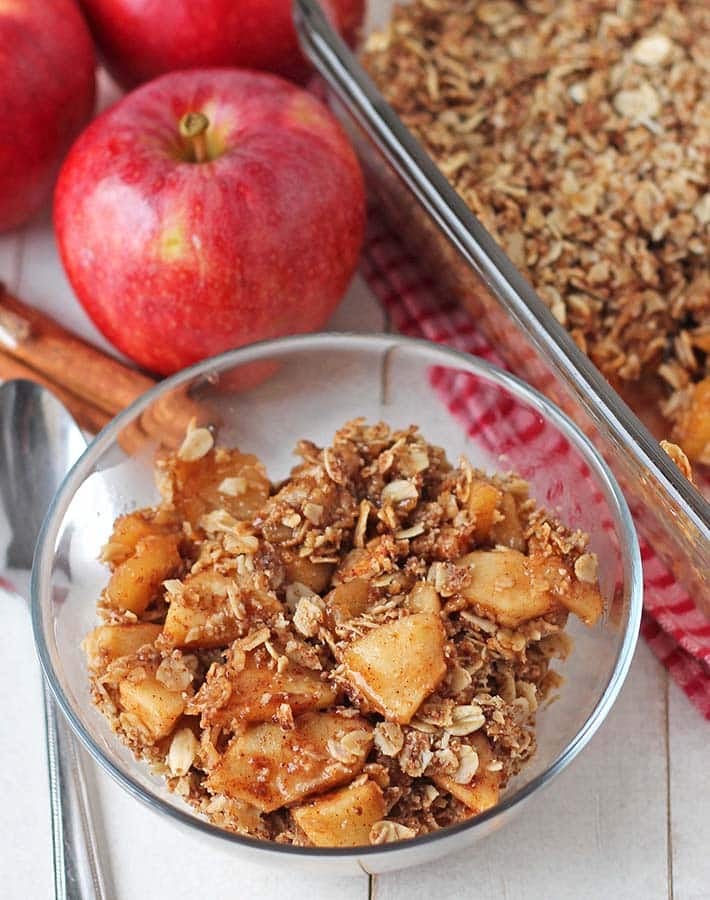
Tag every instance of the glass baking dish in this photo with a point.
(466, 263)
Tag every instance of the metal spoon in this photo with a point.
(39, 442)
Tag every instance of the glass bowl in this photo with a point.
(265, 397)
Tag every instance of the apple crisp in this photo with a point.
(353, 656)
(578, 134)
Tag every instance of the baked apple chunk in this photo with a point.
(128, 530)
(342, 818)
(259, 690)
(513, 588)
(347, 601)
(397, 665)
(269, 766)
(483, 501)
(156, 706)
(501, 584)
(137, 580)
(480, 790)
(221, 479)
(201, 615)
(110, 642)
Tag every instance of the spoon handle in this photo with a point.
(77, 870)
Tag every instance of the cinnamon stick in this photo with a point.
(65, 359)
(97, 386)
(88, 417)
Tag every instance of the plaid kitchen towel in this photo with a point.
(674, 628)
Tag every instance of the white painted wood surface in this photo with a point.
(629, 819)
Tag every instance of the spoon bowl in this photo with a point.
(39, 443)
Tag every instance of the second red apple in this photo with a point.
(46, 97)
(141, 39)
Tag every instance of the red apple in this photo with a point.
(183, 246)
(144, 38)
(46, 97)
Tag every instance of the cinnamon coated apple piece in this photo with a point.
(220, 479)
(579, 592)
(423, 598)
(397, 665)
(513, 588)
(585, 601)
(137, 580)
(110, 642)
(475, 785)
(342, 818)
(483, 501)
(347, 601)
(366, 562)
(270, 767)
(507, 529)
(500, 583)
(128, 530)
(259, 689)
(154, 705)
(315, 576)
(202, 615)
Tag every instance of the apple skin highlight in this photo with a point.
(175, 259)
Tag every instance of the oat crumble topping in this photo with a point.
(579, 134)
(355, 655)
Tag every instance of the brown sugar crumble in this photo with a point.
(353, 656)
(579, 135)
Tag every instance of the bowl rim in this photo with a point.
(630, 555)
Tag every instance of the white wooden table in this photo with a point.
(629, 819)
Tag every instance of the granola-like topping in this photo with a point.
(389, 739)
(416, 754)
(468, 765)
(308, 617)
(361, 639)
(182, 753)
(176, 671)
(578, 134)
(385, 832)
(197, 443)
(466, 719)
(586, 568)
(233, 487)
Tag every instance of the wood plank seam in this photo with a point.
(669, 806)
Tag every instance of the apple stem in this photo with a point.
(193, 127)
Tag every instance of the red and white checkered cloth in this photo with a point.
(674, 628)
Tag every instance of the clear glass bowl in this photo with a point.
(264, 398)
